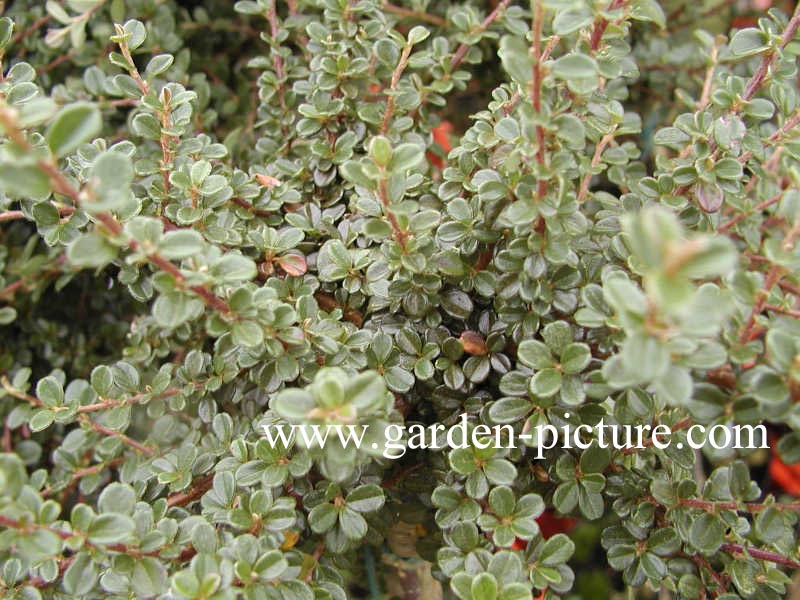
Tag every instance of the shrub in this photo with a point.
(218, 218)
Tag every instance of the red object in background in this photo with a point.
(441, 137)
(549, 525)
(786, 476)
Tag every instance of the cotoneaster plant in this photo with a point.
(222, 217)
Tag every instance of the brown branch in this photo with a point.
(461, 51)
(756, 209)
(138, 446)
(598, 153)
(702, 564)
(62, 185)
(713, 506)
(315, 558)
(272, 17)
(784, 311)
(109, 403)
(537, 23)
(19, 394)
(132, 551)
(54, 63)
(400, 234)
(705, 96)
(28, 32)
(9, 290)
(761, 555)
(198, 487)
(132, 70)
(390, 100)
(83, 472)
(600, 26)
(414, 14)
(250, 208)
(13, 215)
(773, 276)
(756, 81)
(791, 288)
(787, 126)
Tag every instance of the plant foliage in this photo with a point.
(219, 217)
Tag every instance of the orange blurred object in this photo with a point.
(550, 524)
(441, 137)
(786, 476)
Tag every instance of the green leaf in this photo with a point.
(545, 383)
(41, 419)
(293, 404)
(707, 533)
(234, 267)
(136, 33)
(365, 498)
(648, 10)
(158, 64)
(322, 517)
(507, 129)
(418, 34)
(186, 584)
(24, 181)
(502, 501)
(509, 410)
(728, 168)
(91, 250)
(380, 150)
(575, 66)
(405, 157)
(353, 524)
(535, 354)
(715, 258)
(556, 550)
(595, 459)
(110, 528)
(334, 261)
(571, 20)
(770, 388)
(50, 392)
(117, 497)
(81, 576)
(516, 59)
(500, 471)
(149, 577)
(769, 525)
(664, 541)
(575, 358)
(6, 31)
(366, 390)
(75, 124)
(747, 42)
(484, 587)
(7, 315)
(181, 243)
(112, 174)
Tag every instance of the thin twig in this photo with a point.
(598, 154)
(461, 51)
(537, 22)
(761, 555)
(415, 14)
(390, 93)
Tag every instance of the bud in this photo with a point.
(473, 343)
(268, 181)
